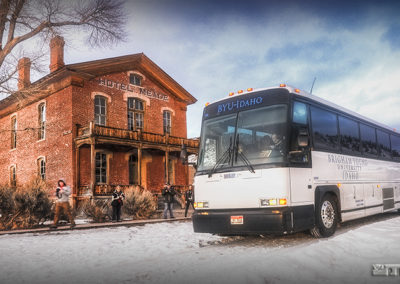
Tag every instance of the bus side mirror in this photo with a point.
(302, 138)
(302, 141)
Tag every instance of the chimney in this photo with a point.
(56, 53)
(24, 73)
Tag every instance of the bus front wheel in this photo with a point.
(326, 218)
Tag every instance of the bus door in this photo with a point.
(299, 157)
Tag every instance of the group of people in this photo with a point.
(168, 193)
(63, 191)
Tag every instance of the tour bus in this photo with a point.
(280, 160)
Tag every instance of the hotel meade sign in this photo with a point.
(133, 89)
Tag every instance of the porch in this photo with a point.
(107, 157)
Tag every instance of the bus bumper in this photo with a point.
(280, 220)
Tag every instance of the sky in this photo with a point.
(214, 47)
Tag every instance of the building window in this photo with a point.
(13, 132)
(13, 176)
(135, 79)
(100, 110)
(167, 121)
(133, 169)
(101, 167)
(42, 121)
(42, 168)
(135, 114)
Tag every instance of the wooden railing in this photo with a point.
(108, 189)
(141, 136)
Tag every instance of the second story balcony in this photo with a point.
(118, 136)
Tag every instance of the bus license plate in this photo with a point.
(236, 220)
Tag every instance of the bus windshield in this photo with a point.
(256, 135)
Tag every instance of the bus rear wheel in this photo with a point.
(326, 218)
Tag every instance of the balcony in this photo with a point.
(107, 189)
(121, 136)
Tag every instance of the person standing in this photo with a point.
(117, 200)
(168, 193)
(189, 197)
(63, 192)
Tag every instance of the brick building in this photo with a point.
(98, 124)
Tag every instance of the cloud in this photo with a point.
(214, 47)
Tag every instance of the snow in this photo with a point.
(173, 253)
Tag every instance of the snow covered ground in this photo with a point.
(172, 253)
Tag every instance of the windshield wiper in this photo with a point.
(222, 159)
(242, 157)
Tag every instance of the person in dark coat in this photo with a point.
(189, 198)
(168, 193)
(116, 202)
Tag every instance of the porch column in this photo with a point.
(92, 166)
(139, 167)
(77, 175)
(166, 166)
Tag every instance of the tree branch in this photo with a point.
(4, 9)
(13, 20)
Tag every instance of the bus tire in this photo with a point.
(326, 218)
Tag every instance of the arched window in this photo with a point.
(13, 132)
(167, 121)
(13, 176)
(133, 169)
(41, 162)
(135, 114)
(42, 121)
(100, 110)
(135, 79)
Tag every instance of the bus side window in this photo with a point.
(384, 144)
(368, 140)
(395, 147)
(349, 136)
(325, 131)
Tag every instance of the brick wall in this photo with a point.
(75, 105)
(56, 148)
(83, 106)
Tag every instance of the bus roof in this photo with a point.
(308, 96)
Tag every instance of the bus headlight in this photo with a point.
(201, 204)
(273, 202)
(268, 202)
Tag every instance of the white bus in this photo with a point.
(280, 160)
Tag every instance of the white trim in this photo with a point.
(38, 109)
(137, 73)
(41, 102)
(12, 165)
(11, 130)
(138, 96)
(94, 94)
(167, 109)
(41, 157)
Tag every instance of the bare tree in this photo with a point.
(101, 21)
